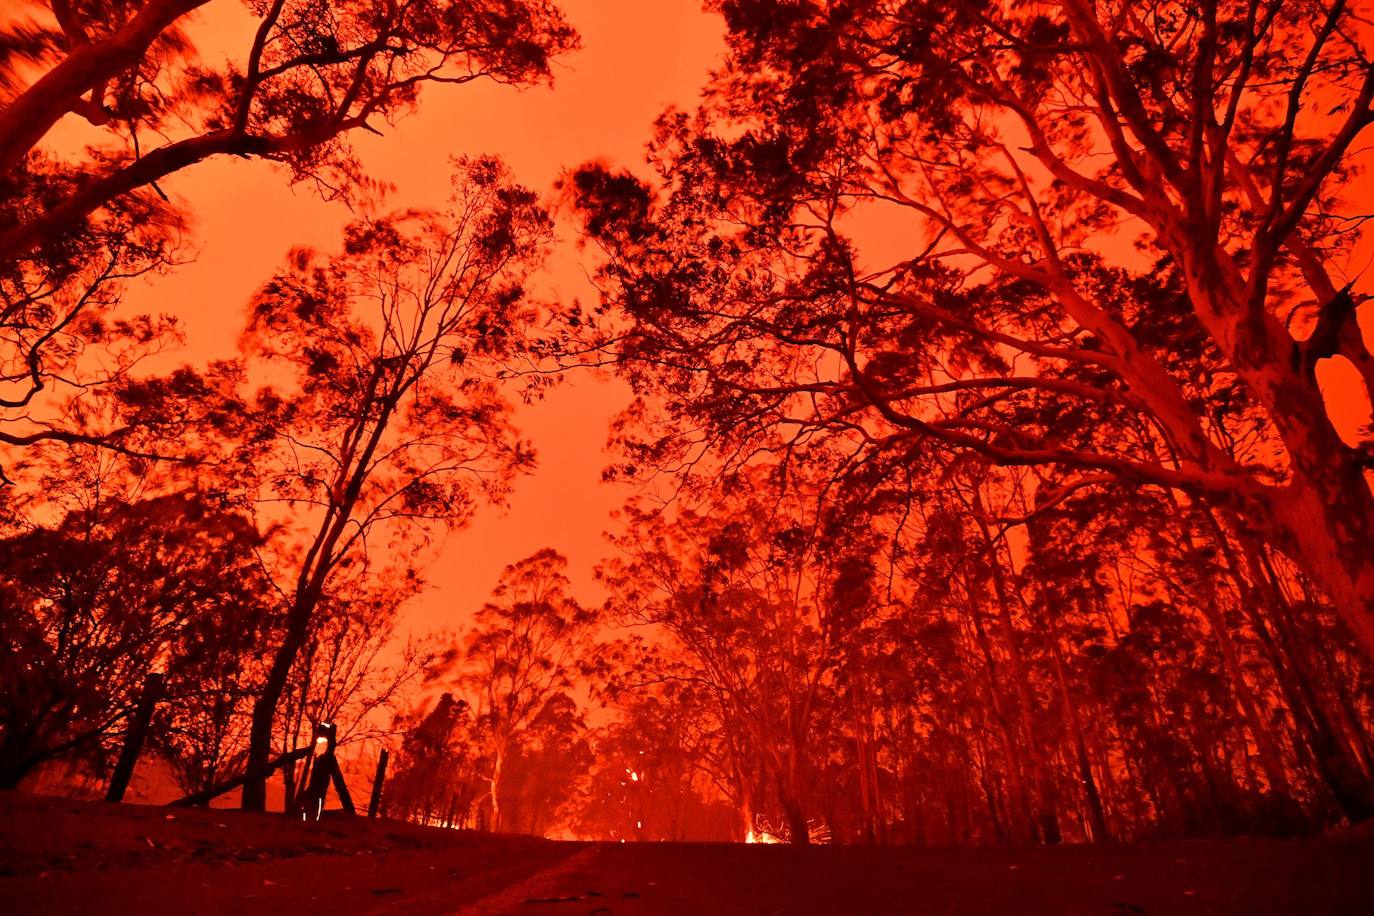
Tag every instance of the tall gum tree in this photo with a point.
(1025, 150)
(389, 420)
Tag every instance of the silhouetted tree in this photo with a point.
(545, 767)
(657, 772)
(393, 423)
(63, 342)
(764, 595)
(438, 778)
(354, 672)
(105, 596)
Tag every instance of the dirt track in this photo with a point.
(135, 861)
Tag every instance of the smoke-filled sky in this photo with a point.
(638, 57)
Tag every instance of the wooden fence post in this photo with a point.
(375, 802)
(134, 737)
(341, 787)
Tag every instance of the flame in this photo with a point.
(761, 836)
(762, 833)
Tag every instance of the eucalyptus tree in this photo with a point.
(107, 594)
(383, 416)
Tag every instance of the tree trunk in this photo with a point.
(498, 761)
(1324, 516)
(319, 562)
(16, 754)
(863, 750)
(1331, 532)
(1022, 825)
(1047, 810)
(254, 796)
(792, 798)
(1308, 699)
(1266, 607)
(1097, 817)
(25, 121)
(799, 832)
(1271, 760)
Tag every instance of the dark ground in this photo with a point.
(60, 856)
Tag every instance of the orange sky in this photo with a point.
(638, 56)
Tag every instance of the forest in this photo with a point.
(997, 422)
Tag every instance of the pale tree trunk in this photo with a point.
(1267, 610)
(1270, 758)
(1330, 530)
(1324, 516)
(1021, 823)
(1097, 815)
(498, 762)
(792, 797)
(864, 744)
(1267, 748)
(1309, 699)
(1047, 812)
(27, 118)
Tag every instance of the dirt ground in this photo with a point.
(59, 856)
